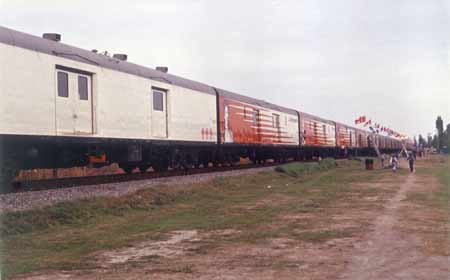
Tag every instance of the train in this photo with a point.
(62, 106)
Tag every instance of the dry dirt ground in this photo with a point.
(393, 236)
(389, 253)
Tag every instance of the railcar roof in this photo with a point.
(31, 42)
(316, 118)
(346, 125)
(35, 43)
(254, 101)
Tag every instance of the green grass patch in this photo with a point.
(323, 236)
(297, 169)
(443, 196)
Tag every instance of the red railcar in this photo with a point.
(345, 136)
(361, 138)
(255, 129)
(317, 132)
(245, 120)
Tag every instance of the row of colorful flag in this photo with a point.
(377, 128)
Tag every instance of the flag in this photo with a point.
(361, 119)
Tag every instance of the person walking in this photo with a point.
(383, 158)
(411, 160)
(394, 163)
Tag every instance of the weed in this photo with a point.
(322, 236)
(297, 169)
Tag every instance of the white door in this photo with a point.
(159, 113)
(83, 105)
(73, 103)
(228, 131)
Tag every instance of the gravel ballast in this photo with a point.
(38, 199)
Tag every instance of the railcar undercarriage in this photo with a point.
(44, 152)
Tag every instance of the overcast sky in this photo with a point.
(387, 59)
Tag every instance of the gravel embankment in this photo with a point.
(37, 199)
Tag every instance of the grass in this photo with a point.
(297, 169)
(430, 210)
(61, 236)
(443, 196)
(440, 198)
(323, 236)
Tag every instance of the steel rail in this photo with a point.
(67, 182)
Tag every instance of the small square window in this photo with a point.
(158, 101)
(63, 84)
(83, 88)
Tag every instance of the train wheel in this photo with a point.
(160, 166)
(143, 168)
(6, 180)
(127, 168)
(8, 171)
(205, 163)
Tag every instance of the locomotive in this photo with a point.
(62, 106)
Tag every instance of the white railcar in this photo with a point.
(59, 105)
(73, 92)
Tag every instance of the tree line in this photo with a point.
(440, 140)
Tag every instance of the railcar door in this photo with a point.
(227, 130)
(257, 123)
(73, 103)
(159, 113)
(65, 123)
(277, 127)
(83, 105)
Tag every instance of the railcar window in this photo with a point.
(63, 84)
(255, 117)
(83, 87)
(158, 101)
(324, 129)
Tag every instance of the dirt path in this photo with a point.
(387, 253)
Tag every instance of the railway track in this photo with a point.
(67, 182)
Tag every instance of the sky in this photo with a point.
(386, 59)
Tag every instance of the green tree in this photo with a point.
(440, 130)
(429, 140)
(447, 137)
(435, 142)
(422, 141)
